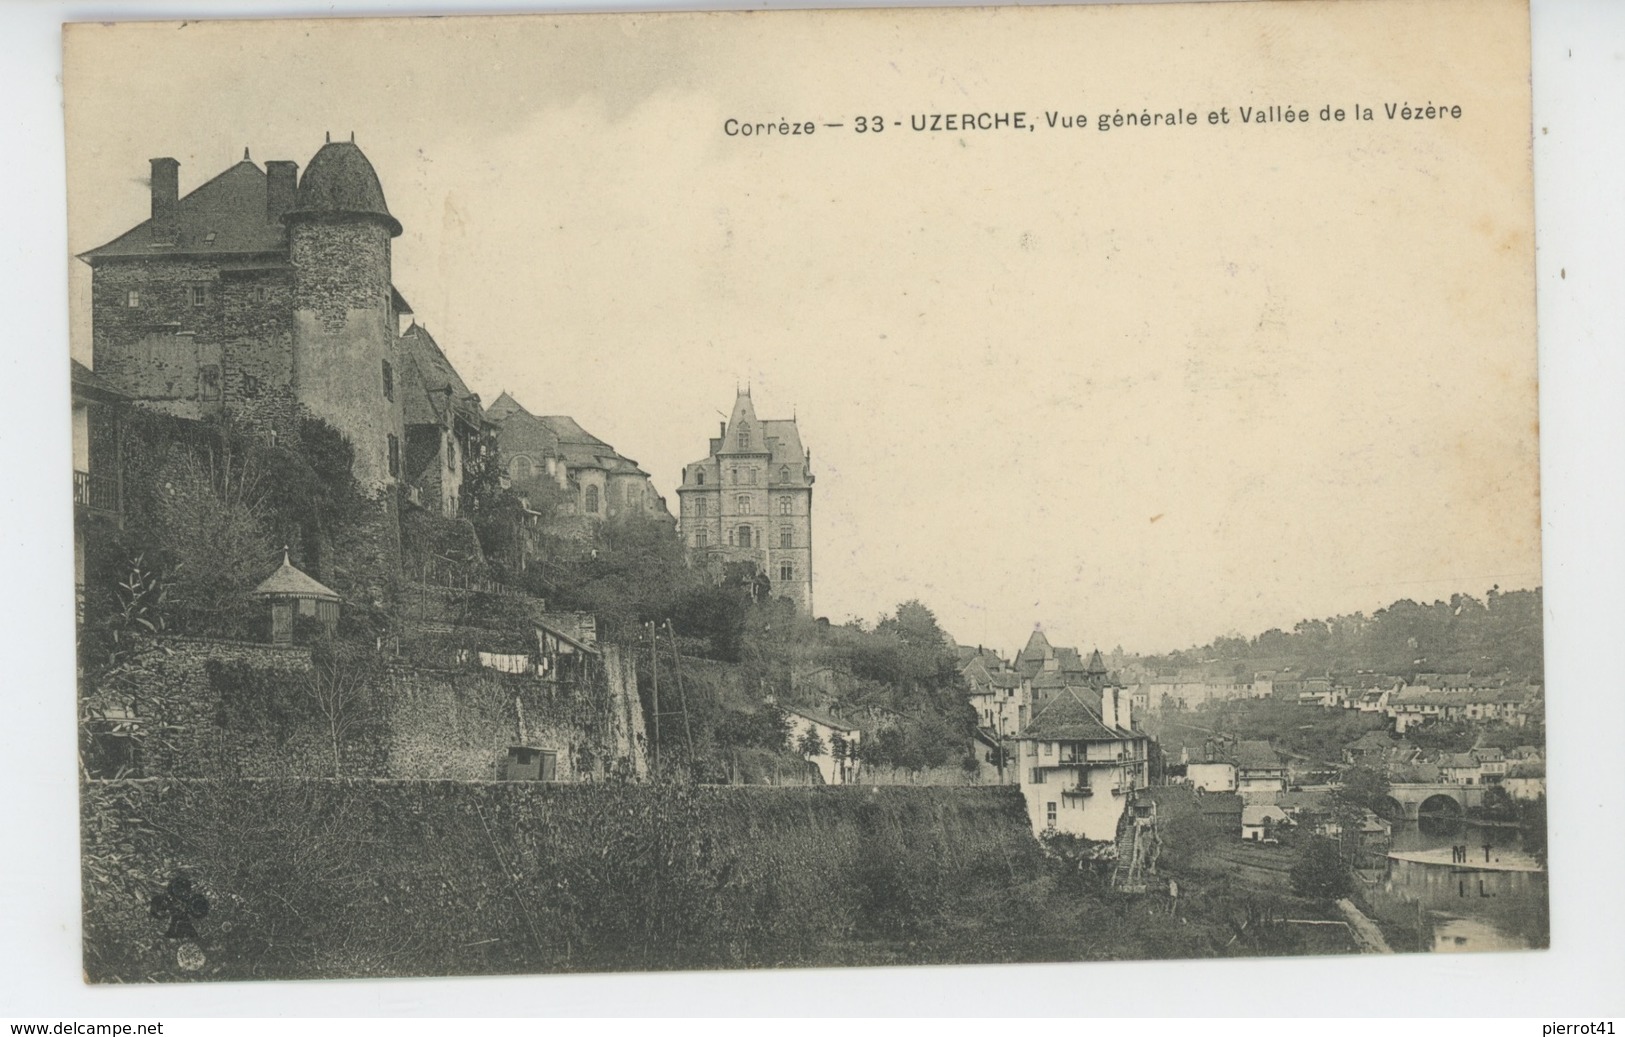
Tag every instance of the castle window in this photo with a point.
(786, 539)
(701, 539)
(521, 469)
(209, 377)
(743, 503)
(744, 536)
(261, 293)
(389, 382)
(787, 572)
(592, 500)
(451, 453)
(750, 476)
(394, 456)
(699, 478)
(699, 509)
(784, 505)
(132, 298)
(251, 387)
(200, 295)
(733, 476)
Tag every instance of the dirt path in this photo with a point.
(1366, 933)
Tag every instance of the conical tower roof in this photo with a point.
(289, 582)
(341, 182)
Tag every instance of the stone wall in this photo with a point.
(331, 878)
(180, 707)
(157, 350)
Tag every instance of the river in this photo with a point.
(1499, 905)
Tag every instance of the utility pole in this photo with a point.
(682, 697)
(654, 676)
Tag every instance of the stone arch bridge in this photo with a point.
(1411, 800)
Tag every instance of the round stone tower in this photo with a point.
(344, 322)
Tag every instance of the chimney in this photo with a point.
(1125, 709)
(1108, 706)
(166, 201)
(281, 178)
(722, 429)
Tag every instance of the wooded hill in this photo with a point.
(1500, 633)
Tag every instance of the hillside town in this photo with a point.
(327, 593)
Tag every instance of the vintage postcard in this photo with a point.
(631, 492)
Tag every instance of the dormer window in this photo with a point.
(744, 438)
(699, 478)
(784, 474)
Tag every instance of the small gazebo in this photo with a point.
(292, 592)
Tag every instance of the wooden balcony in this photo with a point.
(96, 493)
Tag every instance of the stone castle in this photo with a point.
(265, 293)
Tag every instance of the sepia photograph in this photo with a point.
(613, 492)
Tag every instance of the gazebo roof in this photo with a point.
(289, 582)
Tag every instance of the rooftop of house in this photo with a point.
(1258, 813)
(229, 214)
(1073, 716)
(87, 383)
(433, 393)
(223, 216)
(574, 445)
(820, 717)
(1221, 803)
(1256, 755)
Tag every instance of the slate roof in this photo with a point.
(1073, 716)
(785, 440)
(86, 382)
(581, 449)
(1221, 803)
(820, 717)
(1258, 756)
(1258, 813)
(340, 181)
(231, 207)
(432, 390)
(290, 582)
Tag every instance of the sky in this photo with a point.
(1143, 386)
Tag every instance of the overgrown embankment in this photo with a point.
(337, 877)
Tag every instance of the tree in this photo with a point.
(339, 685)
(839, 750)
(810, 744)
(1320, 872)
(1364, 787)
